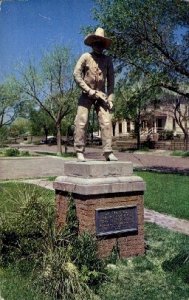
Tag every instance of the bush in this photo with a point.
(24, 153)
(12, 152)
(180, 153)
(185, 154)
(65, 264)
(166, 135)
(60, 277)
(25, 228)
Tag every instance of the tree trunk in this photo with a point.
(46, 133)
(66, 141)
(58, 136)
(138, 136)
(186, 141)
(137, 124)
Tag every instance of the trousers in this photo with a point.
(81, 123)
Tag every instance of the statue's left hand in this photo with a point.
(110, 104)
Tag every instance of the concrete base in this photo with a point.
(106, 187)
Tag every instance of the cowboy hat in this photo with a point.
(98, 36)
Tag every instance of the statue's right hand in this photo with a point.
(92, 94)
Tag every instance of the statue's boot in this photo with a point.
(80, 156)
(109, 156)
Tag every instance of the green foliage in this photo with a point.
(72, 225)
(92, 269)
(60, 277)
(3, 136)
(146, 38)
(26, 220)
(19, 127)
(185, 154)
(59, 265)
(41, 123)
(167, 193)
(14, 285)
(10, 102)
(62, 264)
(162, 273)
(177, 153)
(166, 135)
(24, 153)
(12, 152)
(180, 153)
(50, 86)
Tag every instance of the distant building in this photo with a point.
(153, 121)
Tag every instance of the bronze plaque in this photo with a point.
(116, 220)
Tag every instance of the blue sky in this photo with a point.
(30, 27)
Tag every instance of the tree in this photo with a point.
(41, 123)
(10, 103)
(51, 86)
(151, 37)
(19, 127)
(178, 107)
(132, 98)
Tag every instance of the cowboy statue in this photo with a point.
(94, 74)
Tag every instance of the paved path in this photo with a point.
(28, 167)
(151, 216)
(166, 221)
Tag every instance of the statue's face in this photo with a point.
(98, 47)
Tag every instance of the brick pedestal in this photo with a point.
(108, 196)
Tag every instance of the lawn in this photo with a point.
(15, 276)
(13, 152)
(16, 285)
(167, 193)
(13, 194)
(162, 273)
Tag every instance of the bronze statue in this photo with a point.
(94, 74)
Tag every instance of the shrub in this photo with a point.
(60, 277)
(25, 153)
(180, 153)
(64, 263)
(166, 135)
(12, 152)
(26, 226)
(177, 153)
(185, 154)
(84, 253)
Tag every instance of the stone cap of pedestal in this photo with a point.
(96, 186)
(98, 169)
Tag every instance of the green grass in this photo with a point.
(12, 194)
(167, 193)
(17, 286)
(12, 152)
(180, 153)
(16, 281)
(163, 273)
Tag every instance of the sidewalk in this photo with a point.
(44, 166)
